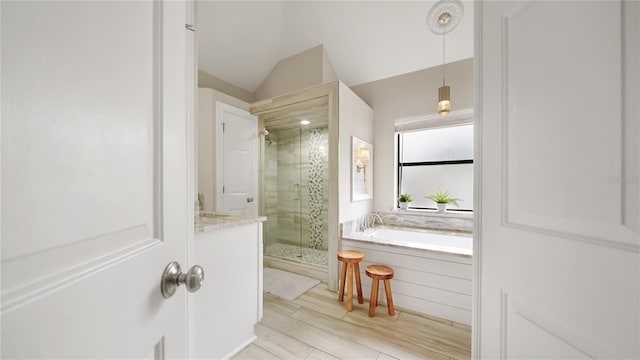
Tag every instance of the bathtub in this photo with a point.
(432, 270)
(441, 242)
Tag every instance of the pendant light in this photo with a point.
(444, 92)
(443, 17)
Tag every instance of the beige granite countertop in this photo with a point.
(207, 221)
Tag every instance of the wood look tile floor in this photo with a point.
(317, 326)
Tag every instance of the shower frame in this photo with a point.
(330, 91)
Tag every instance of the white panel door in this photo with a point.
(237, 153)
(94, 178)
(559, 224)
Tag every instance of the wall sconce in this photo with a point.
(362, 159)
(362, 164)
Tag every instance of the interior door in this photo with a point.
(239, 176)
(560, 221)
(94, 178)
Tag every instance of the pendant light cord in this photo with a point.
(443, 56)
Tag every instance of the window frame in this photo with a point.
(464, 117)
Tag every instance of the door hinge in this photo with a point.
(190, 27)
(223, 189)
(223, 127)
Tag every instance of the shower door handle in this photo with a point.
(250, 199)
(296, 190)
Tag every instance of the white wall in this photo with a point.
(206, 80)
(328, 73)
(356, 119)
(405, 96)
(303, 70)
(206, 134)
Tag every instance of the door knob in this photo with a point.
(172, 277)
(250, 199)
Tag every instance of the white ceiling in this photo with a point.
(241, 41)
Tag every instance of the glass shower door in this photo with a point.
(283, 229)
(296, 197)
(289, 192)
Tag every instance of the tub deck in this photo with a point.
(444, 242)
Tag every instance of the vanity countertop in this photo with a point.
(208, 221)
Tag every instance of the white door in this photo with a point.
(94, 178)
(237, 152)
(559, 126)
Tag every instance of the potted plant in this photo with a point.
(442, 198)
(404, 200)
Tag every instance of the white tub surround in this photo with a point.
(433, 270)
(229, 248)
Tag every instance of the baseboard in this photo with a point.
(239, 348)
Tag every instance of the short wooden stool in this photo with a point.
(350, 260)
(377, 273)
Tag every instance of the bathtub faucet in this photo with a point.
(369, 220)
(375, 216)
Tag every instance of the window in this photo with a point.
(436, 158)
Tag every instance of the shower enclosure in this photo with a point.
(295, 183)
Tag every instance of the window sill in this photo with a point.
(434, 213)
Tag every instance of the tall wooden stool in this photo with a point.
(350, 260)
(377, 273)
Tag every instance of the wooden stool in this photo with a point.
(377, 273)
(350, 260)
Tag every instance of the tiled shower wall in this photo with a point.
(296, 188)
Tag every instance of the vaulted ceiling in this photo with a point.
(241, 41)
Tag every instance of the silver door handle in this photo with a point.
(250, 199)
(172, 277)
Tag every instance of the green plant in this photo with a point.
(404, 198)
(443, 197)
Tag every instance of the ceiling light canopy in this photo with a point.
(444, 16)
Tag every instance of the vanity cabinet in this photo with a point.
(226, 308)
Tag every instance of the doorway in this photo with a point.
(295, 183)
